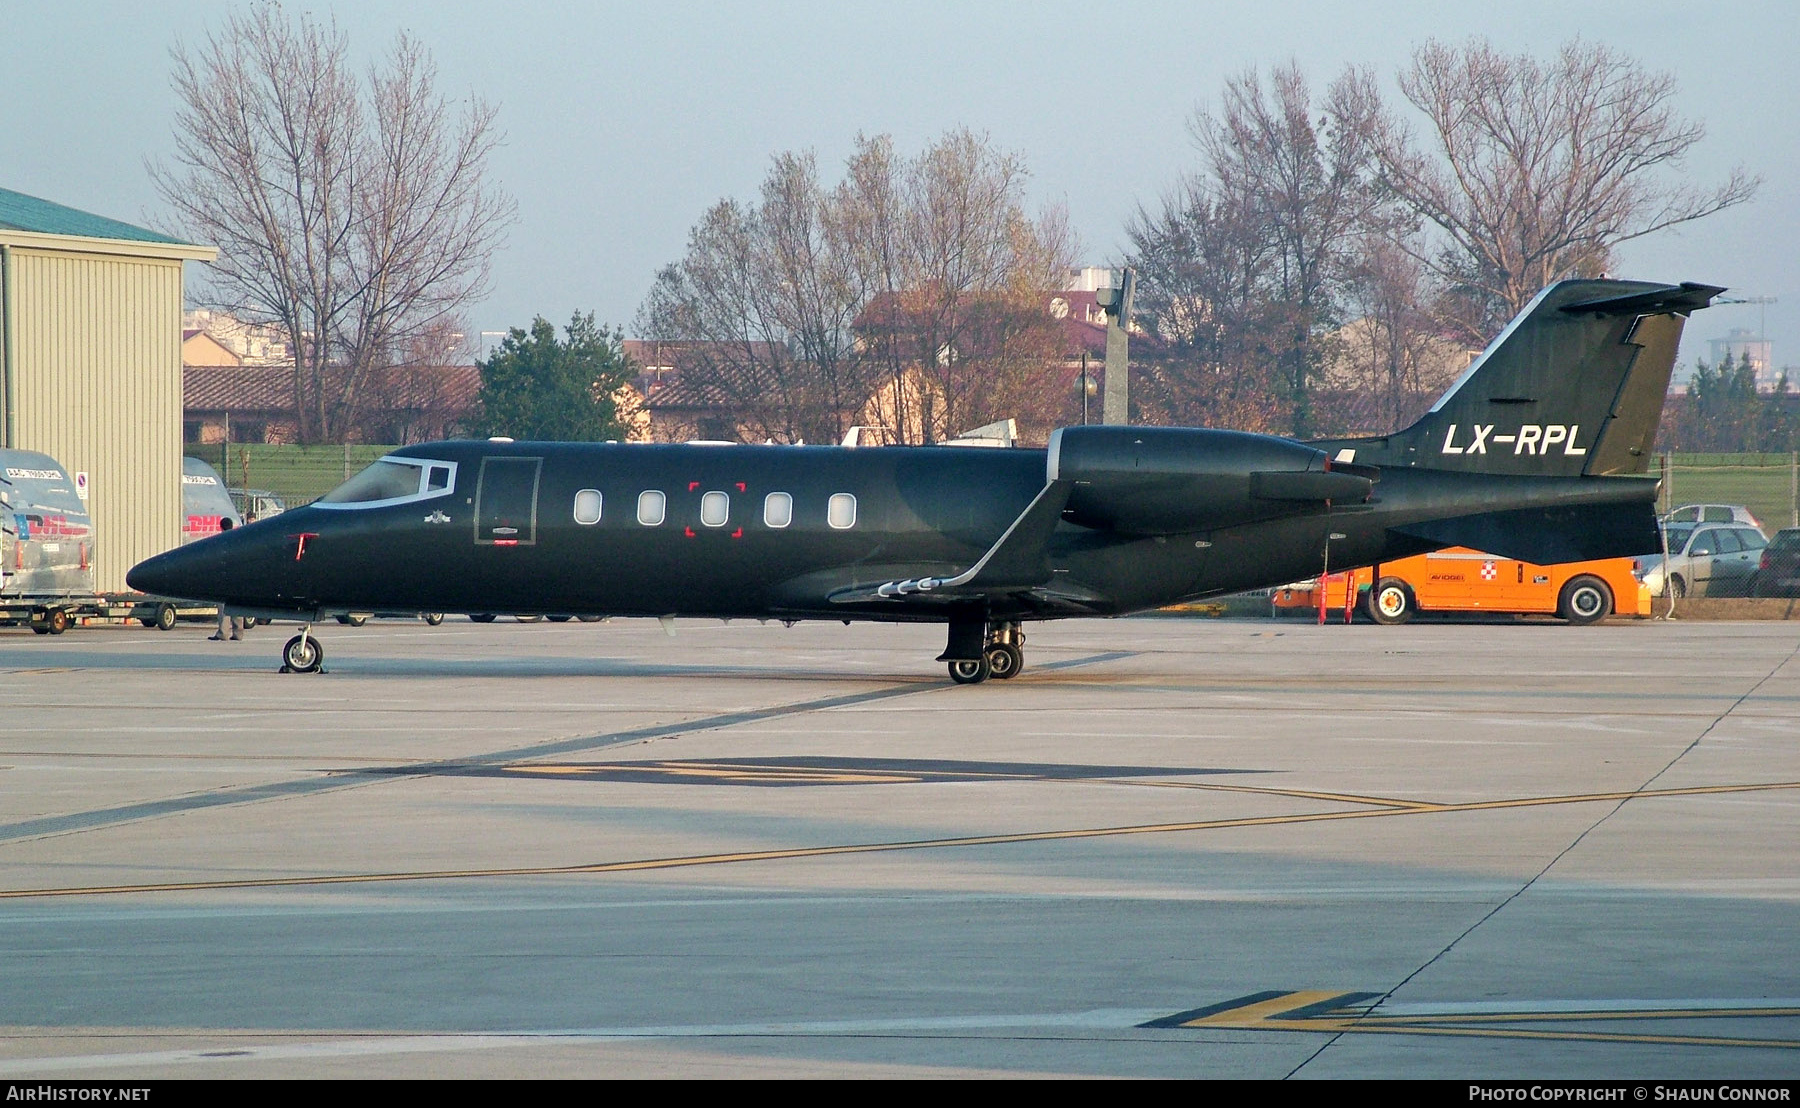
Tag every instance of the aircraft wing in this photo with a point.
(1014, 564)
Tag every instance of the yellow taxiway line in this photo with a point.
(1386, 808)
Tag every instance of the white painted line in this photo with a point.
(225, 1051)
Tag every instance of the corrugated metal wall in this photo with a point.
(98, 387)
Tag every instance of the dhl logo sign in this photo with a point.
(1532, 438)
(49, 527)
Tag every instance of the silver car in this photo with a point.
(1705, 559)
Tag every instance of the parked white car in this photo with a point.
(1705, 559)
(1713, 513)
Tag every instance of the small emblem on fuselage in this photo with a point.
(437, 517)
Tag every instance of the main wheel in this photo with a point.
(559, 619)
(165, 617)
(528, 619)
(970, 673)
(590, 619)
(481, 617)
(249, 622)
(303, 654)
(432, 619)
(1390, 601)
(1585, 600)
(1004, 660)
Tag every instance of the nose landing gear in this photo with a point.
(303, 653)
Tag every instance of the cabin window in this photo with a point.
(651, 507)
(392, 481)
(778, 509)
(587, 507)
(715, 509)
(840, 511)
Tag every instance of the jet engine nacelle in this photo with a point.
(1171, 480)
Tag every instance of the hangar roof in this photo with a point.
(30, 215)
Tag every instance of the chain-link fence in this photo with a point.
(296, 474)
(1767, 484)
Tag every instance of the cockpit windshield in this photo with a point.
(393, 481)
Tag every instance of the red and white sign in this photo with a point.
(1489, 571)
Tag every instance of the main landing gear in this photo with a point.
(303, 653)
(978, 650)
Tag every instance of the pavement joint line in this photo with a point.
(1642, 790)
(795, 853)
(356, 778)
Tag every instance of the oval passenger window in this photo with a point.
(715, 509)
(651, 506)
(587, 507)
(840, 511)
(778, 509)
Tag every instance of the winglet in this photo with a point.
(1018, 558)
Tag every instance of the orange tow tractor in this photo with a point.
(1463, 580)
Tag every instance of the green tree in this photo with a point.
(1727, 407)
(536, 387)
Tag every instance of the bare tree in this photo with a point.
(356, 215)
(1246, 263)
(759, 312)
(1537, 171)
(1393, 357)
(909, 295)
(954, 272)
(1201, 261)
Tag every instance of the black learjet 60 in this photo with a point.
(1538, 452)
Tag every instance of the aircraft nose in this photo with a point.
(188, 572)
(239, 566)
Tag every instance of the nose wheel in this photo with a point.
(302, 654)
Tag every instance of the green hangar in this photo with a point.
(90, 367)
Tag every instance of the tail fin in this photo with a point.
(1573, 386)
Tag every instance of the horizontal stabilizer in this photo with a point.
(1685, 297)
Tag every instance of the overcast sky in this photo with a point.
(625, 121)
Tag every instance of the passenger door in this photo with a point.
(506, 502)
